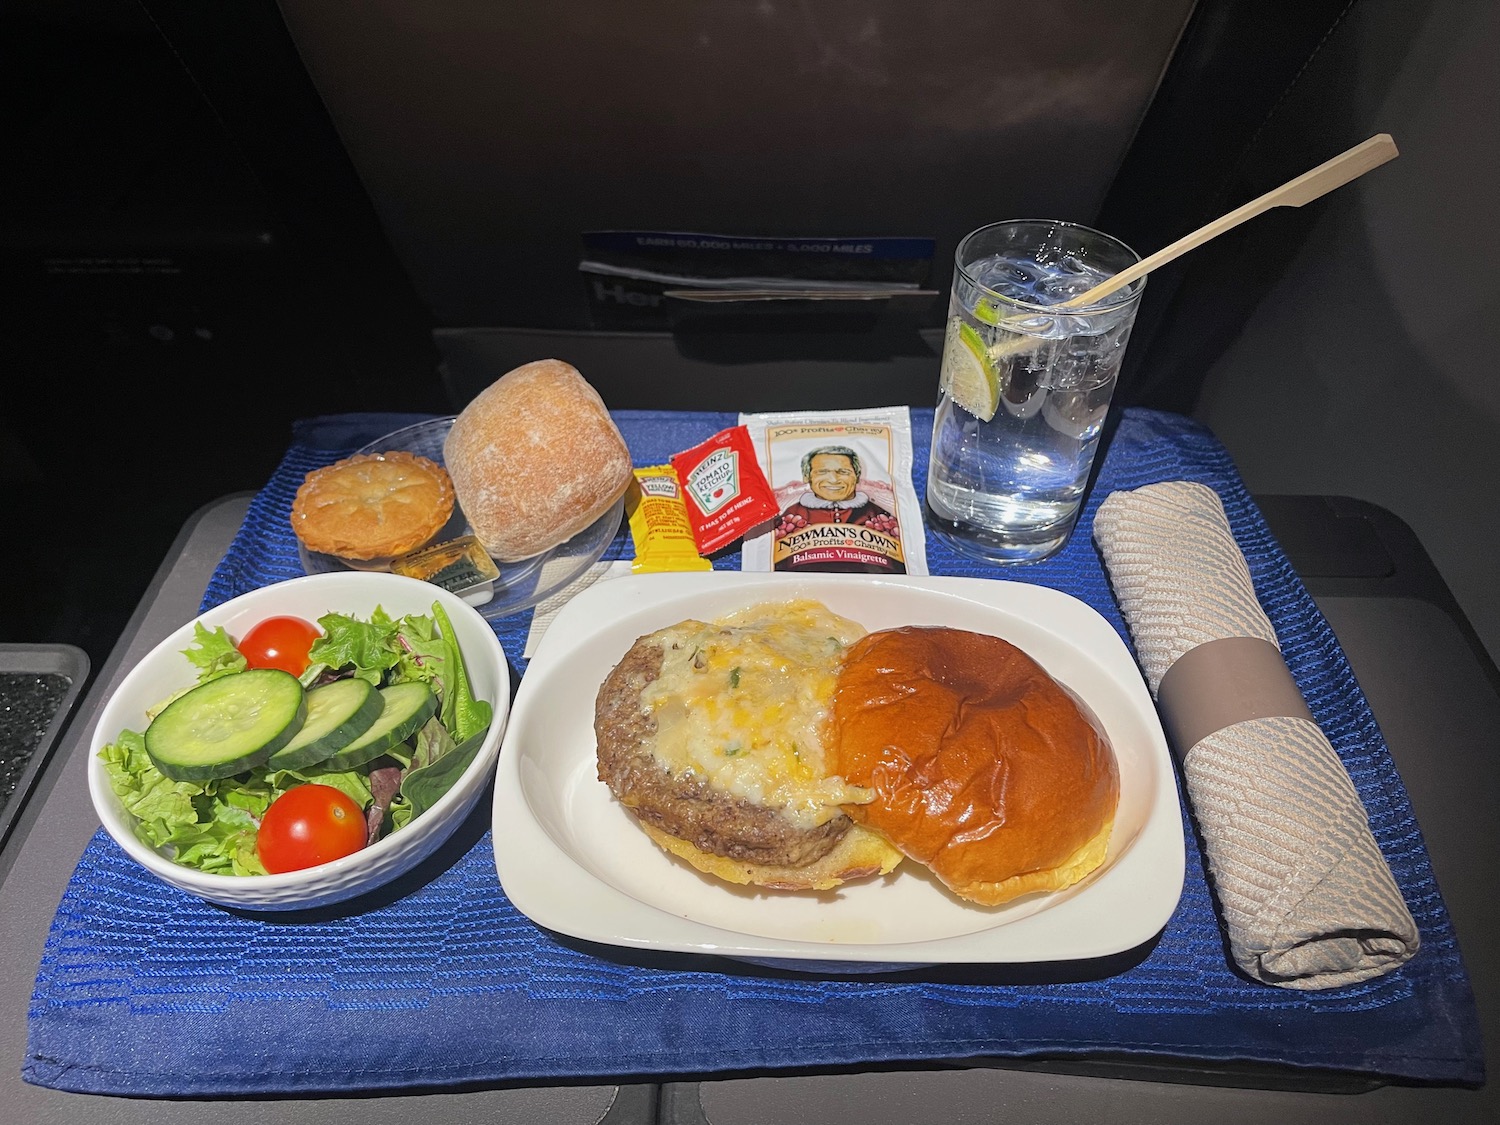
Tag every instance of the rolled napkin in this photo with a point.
(1308, 900)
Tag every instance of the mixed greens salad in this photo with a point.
(199, 781)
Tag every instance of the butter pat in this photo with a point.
(461, 566)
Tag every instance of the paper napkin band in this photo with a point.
(1223, 682)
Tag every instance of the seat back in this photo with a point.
(493, 138)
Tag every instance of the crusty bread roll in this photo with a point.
(984, 767)
(535, 458)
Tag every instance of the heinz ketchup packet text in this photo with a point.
(844, 495)
(724, 489)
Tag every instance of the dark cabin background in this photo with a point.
(220, 218)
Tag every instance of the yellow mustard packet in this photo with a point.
(659, 524)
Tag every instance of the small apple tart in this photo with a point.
(372, 505)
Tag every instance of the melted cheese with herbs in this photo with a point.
(743, 702)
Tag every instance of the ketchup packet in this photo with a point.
(844, 495)
(724, 488)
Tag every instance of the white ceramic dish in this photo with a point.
(572, 859)
(164, 670)
(523, 583)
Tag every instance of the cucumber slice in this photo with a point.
(406, 707)
(337, 714)
(226, 726)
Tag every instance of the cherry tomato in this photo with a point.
(279, 642)
(308, 825)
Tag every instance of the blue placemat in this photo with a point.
(438, 981)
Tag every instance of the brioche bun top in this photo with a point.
(984, 767)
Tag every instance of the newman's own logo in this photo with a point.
(715, 480)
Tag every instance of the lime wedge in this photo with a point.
(968, 373)
(987, 311)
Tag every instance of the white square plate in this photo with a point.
(573, 860)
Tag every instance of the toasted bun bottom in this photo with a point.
(984, 767)
(1080, 864)
(860, 854)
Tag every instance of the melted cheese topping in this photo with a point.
(743, 702)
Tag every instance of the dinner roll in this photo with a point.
(535, 458)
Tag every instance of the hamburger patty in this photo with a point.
(685, 805)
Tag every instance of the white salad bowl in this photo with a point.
(165, 671)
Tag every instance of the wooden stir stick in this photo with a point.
(1305, 188)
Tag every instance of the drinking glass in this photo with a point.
(1024, 386)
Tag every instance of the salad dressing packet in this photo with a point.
(844, 493)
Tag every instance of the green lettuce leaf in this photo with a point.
(421, 652)
(157, 803)
(463, 715)
(224, 845)
(209, 825)
(355, 783)
(213, 653)
(435, 767)
(370, 647)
